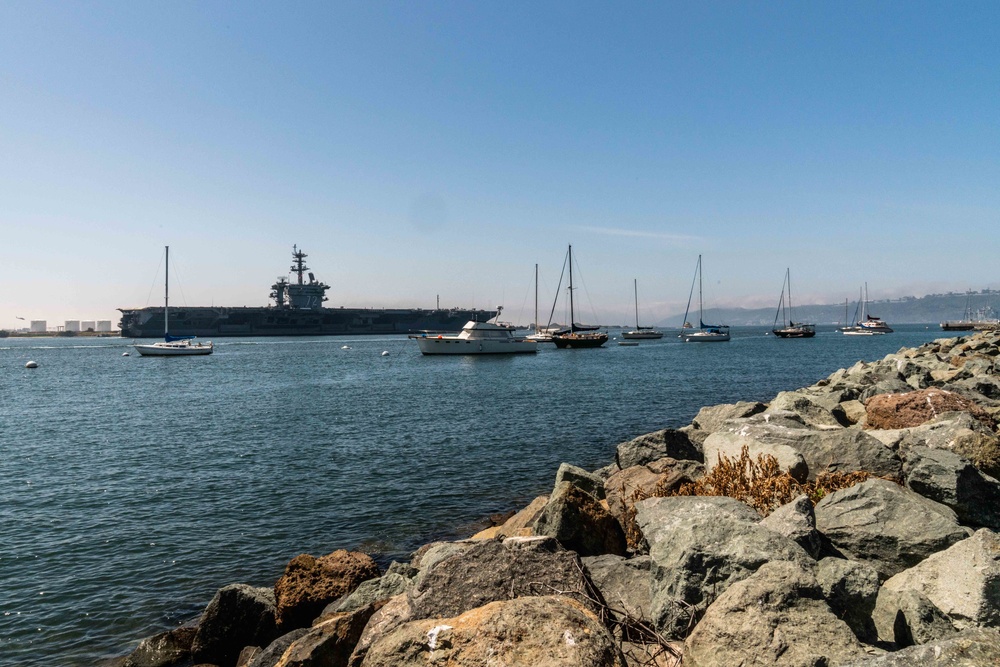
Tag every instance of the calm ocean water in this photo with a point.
(132, 488)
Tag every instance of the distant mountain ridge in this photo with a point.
(933, 308)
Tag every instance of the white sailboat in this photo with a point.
(705, 333)
(640, 333)
(171, 346)
(541, 334)
(868, 324)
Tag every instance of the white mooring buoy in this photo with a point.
(385, 353)
(31, 364)
(124, 354)
(346, 347)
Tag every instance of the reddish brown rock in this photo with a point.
(310, 583)
(550, 631)
(894, 411)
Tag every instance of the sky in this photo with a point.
(425, 151)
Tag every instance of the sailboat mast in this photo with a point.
(635, 286)
(788, 279)
(572, 317)
(166, 292)
(536, 298)
(701, 314)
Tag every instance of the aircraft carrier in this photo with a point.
(296, 310)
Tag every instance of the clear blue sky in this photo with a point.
(416, 149)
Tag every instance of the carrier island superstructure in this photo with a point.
(296, 310)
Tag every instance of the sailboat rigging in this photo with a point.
(643, 333)
(171, 346)
(789, 328)
(706, 333)
(577, 336)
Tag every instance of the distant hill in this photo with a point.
(933, 308)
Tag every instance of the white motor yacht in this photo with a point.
(477, 338)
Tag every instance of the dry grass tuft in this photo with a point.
(759, 482)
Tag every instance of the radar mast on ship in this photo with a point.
(301, 294)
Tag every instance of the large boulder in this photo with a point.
(163, 650)
(946, 477)
(961, 433)
(776, 616)
(797, 520)
(493, 570)
(886, 525)
(623, 583)
(580, 523)
(907, 617)
(582, 479)
(972, 648)
(666, 443)
(238, 616)
(851, 589)
(700, 546)
(813, 409)
(272, 653)
(962, 581)
(309, 584)
(712, 417)
(397, 579)
(730, 444)
(548, 631)
(329, 643)
(840, 450)
(890, 411)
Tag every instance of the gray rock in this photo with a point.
(699, 547)
(729, 444)
(851, 589)
(238, 616)
(947, 478)
(711, 418)
(831, 450)
(162, 650)
(893, 385)
(580, 523)
(774, 617)
(907, 617)
(886, 525)
(397, 579)
(623, 583)
(973, 648)
(810, 408)
(492, 570)
(984, 390)
(962, 581)
(586, 481)
(270, 656)
(667, 443)
(961, 433)
(797, 520)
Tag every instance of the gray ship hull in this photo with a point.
(207, 322)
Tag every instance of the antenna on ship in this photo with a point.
(298, 262)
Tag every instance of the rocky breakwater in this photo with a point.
(853, 522)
